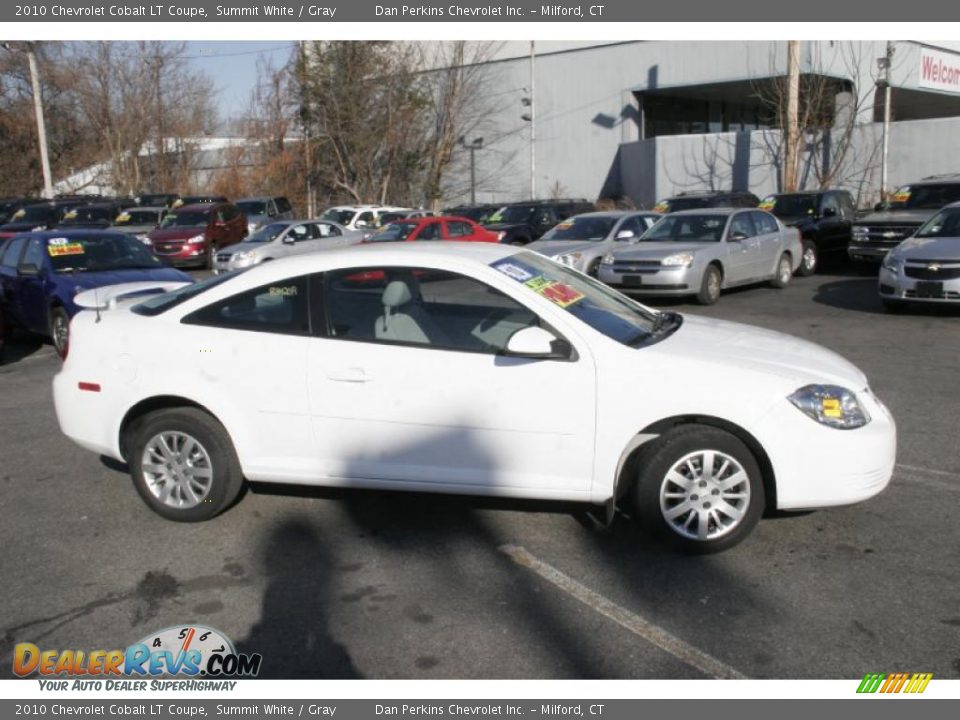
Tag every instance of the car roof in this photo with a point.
(258, 198)
(78, 233)
(135, 208)
(386, 253)
(199, 207)
(713, 211)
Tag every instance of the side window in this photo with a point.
(634, 224)
(457, 229)
(283, 205)
(846, 206)
(299, 233)
(34, 253)
(742, 224)
(280, 307)
(366, 217)
(430, 231)
(422, 307)
(271, 208)
(327, 230)
(11, 255)
(830, 202)
(764, 223)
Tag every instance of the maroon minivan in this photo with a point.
(192, 234)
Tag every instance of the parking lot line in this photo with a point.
(636, 624)
(943, 473)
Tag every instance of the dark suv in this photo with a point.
(698, 201)
(824, 219)
(909, 207)
(523, 222)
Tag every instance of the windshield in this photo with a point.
(79, 216)
(924, 197)
(163, 302)
(394, 232)
(186, 219)
(268, 233)
(589, 300)
(944, 224)
(137, 217)
(253, 207)
(687, 228)
(790, 205)
(36, 213)
(387, 218)
(155, 199)
(339, 216)
(513, 214)
(582, 228)
(92, 253)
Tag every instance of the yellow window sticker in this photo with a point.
(538, 283)
(661, 207)
(122, 218)
(768, 204)
(65, 249)
(70, 215)
(19, 214)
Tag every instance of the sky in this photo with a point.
(233, 68)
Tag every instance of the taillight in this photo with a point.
(89, 386)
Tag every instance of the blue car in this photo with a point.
(41, 272)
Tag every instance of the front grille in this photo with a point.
(925, 272)
(224, 258)
(887, 234)
(948, 295)
(167, 249)
(636, 266)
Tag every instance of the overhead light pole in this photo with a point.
(883, 64)
(472, 146)
(38, 112)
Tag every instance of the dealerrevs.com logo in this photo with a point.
(186, 651)
(887, 683)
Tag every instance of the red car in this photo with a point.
(434, 228)
(192, 234)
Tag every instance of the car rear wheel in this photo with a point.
(59, 324)
(808, 261)
(183, 464)
(700, 488)
(710, 286)
(784, 272)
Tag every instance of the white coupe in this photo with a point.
(465, 368)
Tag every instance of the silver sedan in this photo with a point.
(925, 268)
(284, 238)
(702, 252)
(581, 241)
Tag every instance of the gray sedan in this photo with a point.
(581, 241)
(701, 252)
(925, 268)
(284, 238)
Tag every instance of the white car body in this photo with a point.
(330, 411)
(359, 217)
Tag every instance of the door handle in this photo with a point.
(351, 375)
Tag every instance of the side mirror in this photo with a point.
(625, 235)
(737, 236)
(829, 212)
(361, 224)
(28, 270)
(538, 344)
(289, 240)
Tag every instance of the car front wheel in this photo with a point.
(784, 272)
(700, 488)
(183, 464)
(808, 261)
(59, 323)
(710, 286)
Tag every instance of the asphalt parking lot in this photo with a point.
(349, 584)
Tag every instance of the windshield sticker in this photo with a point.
(901, 195)
(57, 241)
(19, 214)
(514, 271)
(495, 218)
(123, 217)
(555, 291)
(70, 215)
(289, 291)
(69, 248)
(661, 207)
(767, 204)
(565, 225)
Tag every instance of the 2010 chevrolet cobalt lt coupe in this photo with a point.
(466, 368)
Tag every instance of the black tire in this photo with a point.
(211, 256)
(58, 324)
(653, 483)
(783, 272)
(710, 286)
(808, 260)
(226, 477)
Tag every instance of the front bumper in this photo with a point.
(223, 263)
(926, 289)
(650, 279)
(816, 466)
(181, 253)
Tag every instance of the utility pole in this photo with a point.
(472, 146)
(883, 64)
(533, 122)
(793, 109)
(38, 111)
(311, 209)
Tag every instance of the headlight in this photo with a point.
(501, 234)
(196, 239)
(684, 259)
(860, 232)
(830, 405)
(608, 259)
(568, 259)
(891, 263)
(243, 255)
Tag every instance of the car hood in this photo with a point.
(87, 280)
(932, 248)
(745, 347)
(135, 229)
(237, 247)
(19, 227)
(895, 217)
(562, 247)
(176, 233)
(656, 250)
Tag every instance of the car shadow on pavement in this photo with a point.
(22, 346)
(292, 633)
(860, 294)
